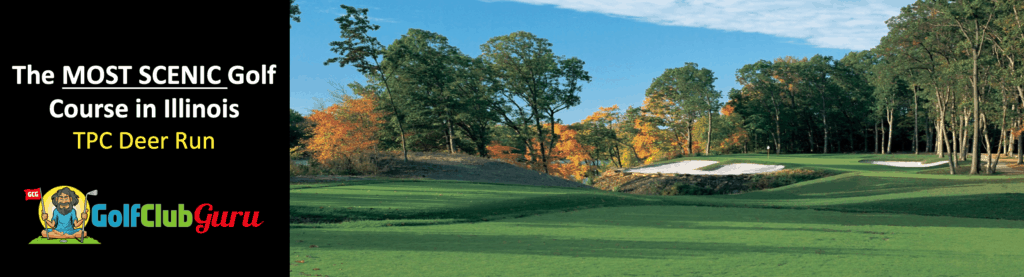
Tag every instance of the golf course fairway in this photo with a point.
(870, 220)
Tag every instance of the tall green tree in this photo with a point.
(819, 77)
(293, 12)
(683, 94)
(890, 95)
(761, 100)
(424, 65)
(296, 128)
(1007, 37)
(533, 84)
(365, 53)
(852, 100)
(972, 19)
(475, 94)
(448, 90)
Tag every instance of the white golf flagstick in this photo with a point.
(93, 193)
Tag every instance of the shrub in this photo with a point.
(690, 189)
(352, 163)
(299, 169)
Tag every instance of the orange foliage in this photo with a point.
(603, 114)
(341, 129)
(504, 153)
(566, 148)
(727, 110)
(736, 140)
(569, 148)
(645, 140)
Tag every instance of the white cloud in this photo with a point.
(848, 24)
(379, 19)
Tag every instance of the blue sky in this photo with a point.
(625, 44)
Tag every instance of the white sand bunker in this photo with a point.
(906, 164)
(690, 167)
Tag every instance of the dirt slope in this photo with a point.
(445, 166)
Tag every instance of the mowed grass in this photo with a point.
(416, 202)
(861, 223)
(671, 241)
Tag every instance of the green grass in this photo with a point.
(671, 241)
(963, 169)
(870, 221)
(416, 202)
(42, 240)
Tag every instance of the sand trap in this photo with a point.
(690, 167)
(906, 164)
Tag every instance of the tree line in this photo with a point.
(430, 96)
(945, 79)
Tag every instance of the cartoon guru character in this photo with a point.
(64, 220)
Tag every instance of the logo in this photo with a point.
(63, 212)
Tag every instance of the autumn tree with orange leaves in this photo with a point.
(736, 137)
(600, 131)
(344, 128)
(572, 159)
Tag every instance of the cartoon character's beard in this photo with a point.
(64, 211)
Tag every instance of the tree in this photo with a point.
(890, 94)
(344, 128)
(1008, 38)
(296, 128)
(681, 95)
(294, 12)
(972, 19)
(365, 53)
(475, 96)
(757, 100)
(648, 144)
(599, 130)
(424, 65)
(446, 89)
(627, 127)
(736, 136)
(854, 96)
(533, 84)
(818, 73)
(575, 160)
(812, 104)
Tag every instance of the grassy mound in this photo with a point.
(706, 184)
(420, 202)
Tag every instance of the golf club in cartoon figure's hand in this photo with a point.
(64, 220)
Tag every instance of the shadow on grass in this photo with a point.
(694, 226)
(1008, 206)
(859, 186)
(705, 218)
(296, 186)
(509, 208)
(868, 167)
(560, 246)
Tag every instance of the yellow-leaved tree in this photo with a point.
(575, 159)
